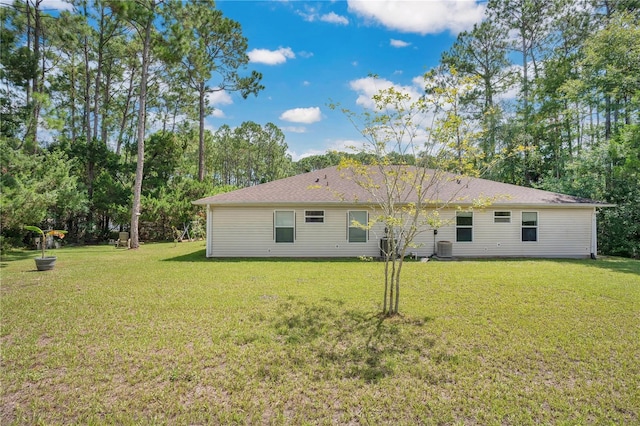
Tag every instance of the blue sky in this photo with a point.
(311, 53)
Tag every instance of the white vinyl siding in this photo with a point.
(562, 232)
(210, 232)
(255, 237)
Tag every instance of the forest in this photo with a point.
(102, 113)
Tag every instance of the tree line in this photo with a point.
(558, 90)
(106, 97)
(102, 112)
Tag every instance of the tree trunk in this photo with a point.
(96, 98)
(105, 108)
(386, 286)
(125, 113)
(201, 111)
(137, 189)
(607, 118)
(31, 134)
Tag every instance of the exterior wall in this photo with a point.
(562, 232)
(249, 232)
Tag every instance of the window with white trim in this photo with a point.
(314, 216)
(464, 226)
(355, 221)
(501, 217)
(284, 226)
(529, 226)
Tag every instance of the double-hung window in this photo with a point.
(464, 226)
(529, 226)
(284, 226)
(356, 220)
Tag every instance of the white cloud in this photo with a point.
(294, 129)
(271, 57)
(306, 83)
(302, 115)
(347, 145)
(421, 17)
(297, 157)
(56, 5)
(369, 86)
(220, 97)
(398, 43)
(310, 14)
(340, 145)
(334, 18)
(218, 113)
(418, 81)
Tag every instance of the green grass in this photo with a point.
(161, 335)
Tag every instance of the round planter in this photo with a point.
(45, 263)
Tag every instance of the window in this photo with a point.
(314, 216)
(529, 226)
(284, 226)
(464, 226)
(355, 221)
(501, 217)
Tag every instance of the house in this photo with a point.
(315, 215)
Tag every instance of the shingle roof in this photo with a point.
(334, 185)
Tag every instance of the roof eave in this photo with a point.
(362, 203)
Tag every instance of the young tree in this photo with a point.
(407, 200)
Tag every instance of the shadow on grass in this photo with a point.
(344, 344)
(616, 264)
(16, 255)
(611, 263)
(200, 256)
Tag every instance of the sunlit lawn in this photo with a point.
(161, 335)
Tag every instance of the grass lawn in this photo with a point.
(161, 335)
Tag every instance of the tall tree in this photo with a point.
(141, 16)
(482, 53)
(249, 154)
(528, 22)
(610, 68)
(454, 131)
(24, 62)
(213, 53)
